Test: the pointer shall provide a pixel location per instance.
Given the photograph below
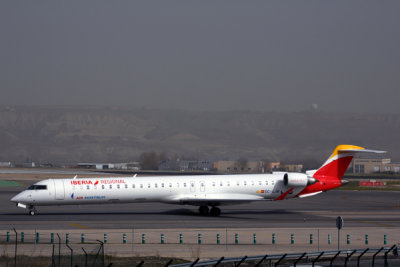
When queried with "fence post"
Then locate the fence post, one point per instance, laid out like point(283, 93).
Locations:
point(311, 239)
point(82, 238)
point(85, 257)
point(218, 240)
point(180, 239)
point(162, 239)
point(72, 254)
point(124, 238)
point(273, 239)
point(254, 239)
point(16, 246)
point(292, 239)
point(236, 239)
point(105, 238)
point(143, 238)
point(199, 239)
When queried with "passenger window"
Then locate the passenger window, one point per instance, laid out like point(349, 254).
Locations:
point(259, 183)
point(155, 185)
point(148, 185)
point(213, 183)
point(162, 184)
point(273, 182)
point(221, 184)
point(245, 183)
point(266, 182)
point(228, 183)
point(252, 183)
point(87, 187)
point(237, 183)
point(133, 185)
point(141, 185)
point(110, 186)
point(102, 187)
point(126, 186)
point(118, 186)
point(170, 184)
point(184, 184)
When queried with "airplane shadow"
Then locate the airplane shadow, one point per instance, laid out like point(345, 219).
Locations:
point(236, 214)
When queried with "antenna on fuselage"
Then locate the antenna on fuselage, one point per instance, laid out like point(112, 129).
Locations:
point(135, 175)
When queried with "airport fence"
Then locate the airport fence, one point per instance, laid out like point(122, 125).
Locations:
point(86, 247)
point(358, 257)
point(324, 238)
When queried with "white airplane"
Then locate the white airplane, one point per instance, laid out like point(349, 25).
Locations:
point(200, 190)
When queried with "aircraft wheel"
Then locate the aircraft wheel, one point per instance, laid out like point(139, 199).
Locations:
point(32, 212)
point(215, 211)
point(203, 210)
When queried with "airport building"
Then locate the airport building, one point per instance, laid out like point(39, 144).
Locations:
point(105, 166)
point(6, 164)
point(185, 165)
point(373, 165)
point(255, 166)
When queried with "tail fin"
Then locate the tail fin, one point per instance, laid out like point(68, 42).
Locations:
point(339, 161)
point(329, 175)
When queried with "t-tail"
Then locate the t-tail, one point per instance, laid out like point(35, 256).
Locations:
point(329, 175)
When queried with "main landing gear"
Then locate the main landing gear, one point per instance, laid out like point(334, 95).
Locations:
point(215, 211)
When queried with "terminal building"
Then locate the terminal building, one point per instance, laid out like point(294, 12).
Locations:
point(255, 166)
point(373, 165)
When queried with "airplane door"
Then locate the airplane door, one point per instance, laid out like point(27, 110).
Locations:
point(202, 186)
point(59, 189)
point(192, 187)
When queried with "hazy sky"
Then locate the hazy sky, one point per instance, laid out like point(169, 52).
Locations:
point(203, 55)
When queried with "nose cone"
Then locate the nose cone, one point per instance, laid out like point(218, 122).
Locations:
point(16, 198)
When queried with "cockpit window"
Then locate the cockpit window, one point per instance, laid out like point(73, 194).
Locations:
point(37, 187)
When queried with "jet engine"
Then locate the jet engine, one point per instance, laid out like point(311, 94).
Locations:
point(297, 179)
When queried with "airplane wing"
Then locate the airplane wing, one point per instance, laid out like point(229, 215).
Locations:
point(212, 199)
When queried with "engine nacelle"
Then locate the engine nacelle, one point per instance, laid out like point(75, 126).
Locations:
point(296, 179)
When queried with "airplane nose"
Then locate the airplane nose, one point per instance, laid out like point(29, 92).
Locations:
point(16, 198)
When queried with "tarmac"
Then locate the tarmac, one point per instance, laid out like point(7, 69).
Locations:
point(372, 213)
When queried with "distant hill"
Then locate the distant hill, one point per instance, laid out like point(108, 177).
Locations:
point(105, 134)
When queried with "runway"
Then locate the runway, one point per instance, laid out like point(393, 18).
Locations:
point(358, 208)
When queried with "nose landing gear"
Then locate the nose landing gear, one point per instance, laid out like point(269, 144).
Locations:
point(32, 210)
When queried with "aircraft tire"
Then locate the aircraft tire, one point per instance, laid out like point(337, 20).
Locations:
point(203, 210)
point(32, 212)
point(215, 211)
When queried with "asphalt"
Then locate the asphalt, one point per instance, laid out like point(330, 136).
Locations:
point(358, 208)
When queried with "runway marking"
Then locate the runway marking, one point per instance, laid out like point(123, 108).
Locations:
point(80, 226)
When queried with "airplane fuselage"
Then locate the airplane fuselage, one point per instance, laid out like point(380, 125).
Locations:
point(211, 190)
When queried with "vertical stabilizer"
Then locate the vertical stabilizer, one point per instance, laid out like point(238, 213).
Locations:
point(330, 174)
